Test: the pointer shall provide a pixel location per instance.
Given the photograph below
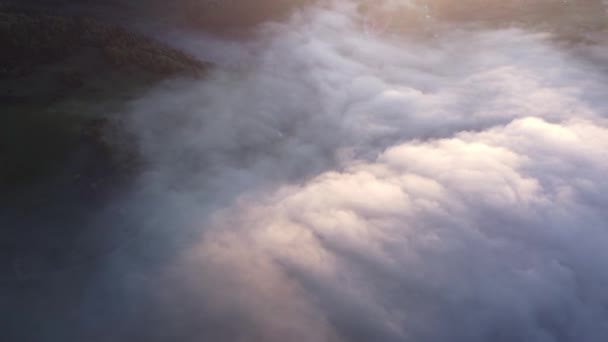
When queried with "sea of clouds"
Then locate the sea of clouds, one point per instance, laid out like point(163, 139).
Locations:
point(328, 183)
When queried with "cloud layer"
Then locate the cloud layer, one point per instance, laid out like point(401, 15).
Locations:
point(328, 183)
point(494, 235)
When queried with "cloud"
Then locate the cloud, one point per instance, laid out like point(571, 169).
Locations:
point(328, 184)
point(344, 186)
point(498, 234)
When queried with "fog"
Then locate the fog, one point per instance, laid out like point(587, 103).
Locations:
point(336, 180)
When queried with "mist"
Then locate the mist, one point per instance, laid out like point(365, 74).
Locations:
point(335, 180)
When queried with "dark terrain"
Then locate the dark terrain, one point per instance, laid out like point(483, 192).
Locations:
point(63, 80)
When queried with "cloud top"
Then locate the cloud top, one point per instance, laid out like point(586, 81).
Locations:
point(328, 184)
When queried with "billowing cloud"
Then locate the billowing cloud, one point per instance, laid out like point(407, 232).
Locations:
point(498, 234)
point(340, 185)
point(328, 183)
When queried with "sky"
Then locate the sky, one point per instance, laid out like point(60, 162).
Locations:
point(332, 182)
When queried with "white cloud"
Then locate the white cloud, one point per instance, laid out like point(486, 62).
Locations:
point(474, 235)
point(352, 187)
